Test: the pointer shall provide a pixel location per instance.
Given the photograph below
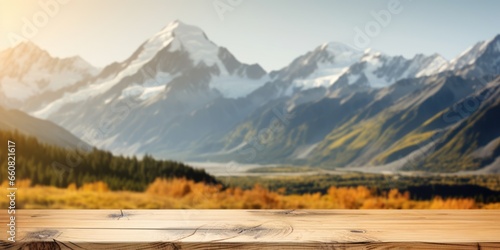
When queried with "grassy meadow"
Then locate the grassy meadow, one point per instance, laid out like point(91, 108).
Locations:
point(187, 194)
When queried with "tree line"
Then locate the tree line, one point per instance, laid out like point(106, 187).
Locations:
point(46, 165)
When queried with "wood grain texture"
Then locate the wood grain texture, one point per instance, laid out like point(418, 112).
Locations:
point(255, 229)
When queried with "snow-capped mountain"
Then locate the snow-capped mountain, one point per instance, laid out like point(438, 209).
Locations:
point(26, 71)
point(181, 96)
point(334, 69)
point(162, 92)
point(377, 70)
point(177, 61)
point(318, 68)
point(202, 52)
point(331, 61)
point(479, 60)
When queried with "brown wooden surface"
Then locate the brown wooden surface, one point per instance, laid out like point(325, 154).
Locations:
point(254, 229)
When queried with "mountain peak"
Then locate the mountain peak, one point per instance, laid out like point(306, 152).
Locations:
point(338, 47)
point(27, 44)
point(180, 36)
point(179, 29)
point(176, 21)
point(340, 54)
point(27, 71)
point(178, 25)
point(471, 55)
point(370, 54)
point(32, 52)
point(495, 43)
point(26, 48)
point(23, 53)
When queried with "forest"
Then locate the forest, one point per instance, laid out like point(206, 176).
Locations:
point(50, 165)
point(53, 177)
point(481, 188)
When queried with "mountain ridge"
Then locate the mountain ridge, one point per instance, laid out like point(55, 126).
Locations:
point(181, 96)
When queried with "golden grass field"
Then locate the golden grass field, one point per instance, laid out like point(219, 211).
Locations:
point(182, 193)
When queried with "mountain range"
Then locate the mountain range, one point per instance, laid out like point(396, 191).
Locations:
point(181, 96)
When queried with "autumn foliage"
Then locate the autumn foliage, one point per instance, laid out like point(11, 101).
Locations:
point(183, 193)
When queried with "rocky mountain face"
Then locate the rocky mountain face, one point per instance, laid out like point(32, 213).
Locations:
point(176, 88)
point(29, 74)
point(181, 96)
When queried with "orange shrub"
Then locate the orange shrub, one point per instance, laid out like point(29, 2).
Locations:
point(183, 193)
point(438, 203)
point(95, 187)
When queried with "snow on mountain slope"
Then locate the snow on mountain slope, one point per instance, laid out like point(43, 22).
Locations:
point(433, 65)
point(469, 56)
point(168, 55)
point(319, 68)
point(150, 88)
point(27, 71)
point(479, 60)
point(378, 70)
point(191, 39)
point(335, 61)
point(177, 87)
point(343, 69)
point(235, 86)
point(178, 36)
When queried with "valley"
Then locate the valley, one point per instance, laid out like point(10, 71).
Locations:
point(332, 107)
point(183, 108)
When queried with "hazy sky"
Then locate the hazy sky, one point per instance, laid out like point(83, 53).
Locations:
point(269, 32)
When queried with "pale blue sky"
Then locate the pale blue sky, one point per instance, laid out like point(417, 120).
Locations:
point(269, 32)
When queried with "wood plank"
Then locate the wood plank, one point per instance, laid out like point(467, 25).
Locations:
point(255, 229)
point(250, 246)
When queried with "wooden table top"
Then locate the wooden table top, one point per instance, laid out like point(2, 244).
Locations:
point(254, 229)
